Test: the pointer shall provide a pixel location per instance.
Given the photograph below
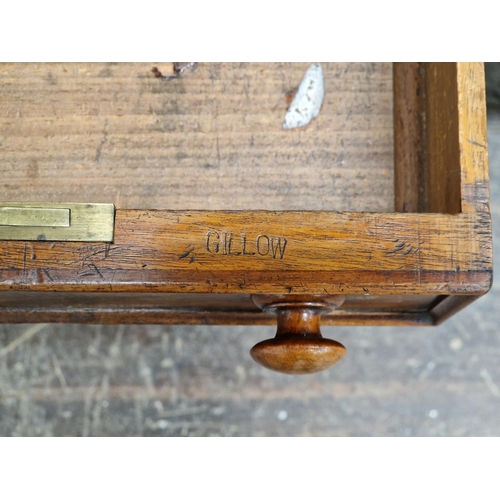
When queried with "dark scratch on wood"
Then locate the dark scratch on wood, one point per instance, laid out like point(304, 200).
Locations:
point(91, 271)
point(48, 275)
point(406, 252)
point(185, 254)
point(472, 141)
point(24, 263)
point(105, 250)
point(397, 248)
point(84, 257)
point(96, 270)
point(85, 273)
point(101, 145)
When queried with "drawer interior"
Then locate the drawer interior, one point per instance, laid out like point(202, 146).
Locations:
point(211, 139)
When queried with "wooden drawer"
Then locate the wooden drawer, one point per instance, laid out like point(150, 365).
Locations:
point(220, 213)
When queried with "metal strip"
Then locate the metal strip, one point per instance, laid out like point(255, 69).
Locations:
point(57, 221)
point(34, 216)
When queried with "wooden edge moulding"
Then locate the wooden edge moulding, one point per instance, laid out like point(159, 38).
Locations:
point(416, 266)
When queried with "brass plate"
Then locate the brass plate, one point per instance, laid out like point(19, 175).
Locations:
point(38, 217)
point(57, 221)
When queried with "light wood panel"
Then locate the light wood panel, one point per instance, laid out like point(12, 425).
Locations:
point(473, 137)
point(212, 139)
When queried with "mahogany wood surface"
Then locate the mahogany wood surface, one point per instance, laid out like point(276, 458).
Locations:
point(439, 141)
point(409, 138)
point(298, 347)
point(208, 308)
point(264, 252)
point(198, 380)
point(442, 152)
point(473, 140)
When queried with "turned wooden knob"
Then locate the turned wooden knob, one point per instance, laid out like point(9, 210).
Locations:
point(298, 347)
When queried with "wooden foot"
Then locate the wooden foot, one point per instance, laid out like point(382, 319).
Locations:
point(298, 347)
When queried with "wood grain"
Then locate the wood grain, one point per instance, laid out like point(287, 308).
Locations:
point(164, 380)
point(298, 347)
point(198, 308)
point(442, 156)
point(473, 137)
point(409, 138)
point(264, 252)
point(440, 138)
point(211, 139)
point(115, 133)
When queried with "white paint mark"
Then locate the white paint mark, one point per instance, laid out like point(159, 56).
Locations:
point(282, 415)
point(241, 373)
point(414, 363)
point(308, 100)
point(147, 376)
point(167, 363)
point(178, 345)
point(162, 424)
point(433, 414)
point(58, 371)
point(30, 332)
point(485, 374)
point(139, 418)
point(219, 410)
point(89, 396)
point(114, 350)
point(456, 344)
point(464, 333)
point(104, 403)
point(427, 370)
